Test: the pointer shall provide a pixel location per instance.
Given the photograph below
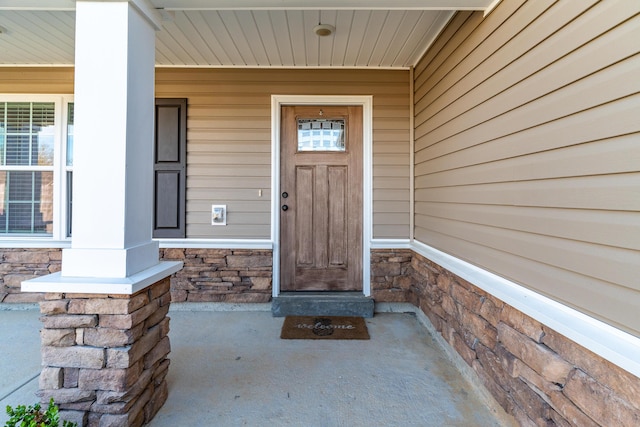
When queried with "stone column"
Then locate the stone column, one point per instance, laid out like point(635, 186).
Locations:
point(104, 342)
point(104, 356)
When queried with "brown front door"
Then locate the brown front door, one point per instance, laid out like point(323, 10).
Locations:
point(321, 198)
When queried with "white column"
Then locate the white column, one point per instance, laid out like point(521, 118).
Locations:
point(113, 152)
point(112, 251)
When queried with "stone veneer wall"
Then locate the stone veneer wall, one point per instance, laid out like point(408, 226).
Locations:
point(221, 275)
point(391, 275)
point(17, 265)
point(104, 357)
point(537, 375)
point(209, 275)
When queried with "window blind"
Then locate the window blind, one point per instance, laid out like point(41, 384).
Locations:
point(27, 136)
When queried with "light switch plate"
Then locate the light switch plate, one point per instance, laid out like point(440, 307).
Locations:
point(218, 214)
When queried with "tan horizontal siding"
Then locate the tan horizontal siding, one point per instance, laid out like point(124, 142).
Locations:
point(505, 49)
point(616, 229)
point(583, 127)
point(247, 231)
point(567, 76)
point(606, 192)
point(597, 261)
point(616, 82)
point(393, 207)
point(36, 80)
point(527, 160)
point(229, 136)
point(229, 141)
point(617, 305)
point(391, 182)
point(595, 158)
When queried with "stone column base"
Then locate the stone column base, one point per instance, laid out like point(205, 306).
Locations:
point(104, 357)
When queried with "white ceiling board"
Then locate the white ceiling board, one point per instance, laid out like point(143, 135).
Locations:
point(386, 37)
point(404, 29)
point(214, 49)
point(420, 40)
point(341, 38)
point(311, 18)
point(371, 38)
point(295, 23)
point(195, 37)
point(327, 44)
point(282, 37)
point(37, 37)
point(325, 4)
point(256, 41)
point(356, 32)
point(169, 45)
point(67, 5)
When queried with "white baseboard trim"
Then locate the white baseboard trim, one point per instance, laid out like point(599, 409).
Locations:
point(390, 244)
point(610, 343)
point(34, 243)
point(215, 243)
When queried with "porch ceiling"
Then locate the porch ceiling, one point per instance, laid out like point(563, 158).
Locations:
point(246, 33)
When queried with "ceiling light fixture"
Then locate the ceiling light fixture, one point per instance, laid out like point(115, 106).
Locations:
point(324, 30)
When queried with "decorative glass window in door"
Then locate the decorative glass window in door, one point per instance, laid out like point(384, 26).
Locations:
point(321, 135)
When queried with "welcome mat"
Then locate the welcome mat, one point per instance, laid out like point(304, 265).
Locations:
point(324, 328)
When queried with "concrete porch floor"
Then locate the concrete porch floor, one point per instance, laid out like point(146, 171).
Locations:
point(230, 368)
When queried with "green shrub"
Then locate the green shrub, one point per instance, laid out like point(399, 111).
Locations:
point(32, 416)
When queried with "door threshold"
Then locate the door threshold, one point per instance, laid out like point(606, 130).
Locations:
point(351, 304)
point(322, 294)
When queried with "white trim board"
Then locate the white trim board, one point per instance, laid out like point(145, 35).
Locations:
point(366, 102)
point(35, 243)
point(191, 243)
point(99, 285)
point(608, 342)
point(215, 243)
point(391, 244)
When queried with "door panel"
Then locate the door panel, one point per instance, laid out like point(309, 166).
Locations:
point(321, 230)
point(304, 215)
point(337, 181)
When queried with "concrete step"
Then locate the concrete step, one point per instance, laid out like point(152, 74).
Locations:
point(353, 304)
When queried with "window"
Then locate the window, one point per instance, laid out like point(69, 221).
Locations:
point(321, 135)
point(31, 154)
point(69, 166)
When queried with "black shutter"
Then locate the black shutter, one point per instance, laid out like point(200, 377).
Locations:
point(170, 166)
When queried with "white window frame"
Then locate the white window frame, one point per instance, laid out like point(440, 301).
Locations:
point(59, 235)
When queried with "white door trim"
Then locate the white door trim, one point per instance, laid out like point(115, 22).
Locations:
point(366, 102)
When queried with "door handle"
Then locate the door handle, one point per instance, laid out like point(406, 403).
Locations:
point(285, 207)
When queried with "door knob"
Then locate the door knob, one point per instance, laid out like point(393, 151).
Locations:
point(285, 207)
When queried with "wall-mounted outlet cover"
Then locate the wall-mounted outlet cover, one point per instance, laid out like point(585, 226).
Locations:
point(218, 214)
